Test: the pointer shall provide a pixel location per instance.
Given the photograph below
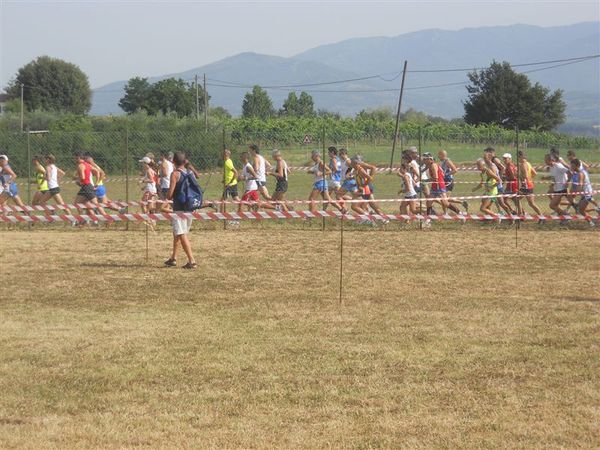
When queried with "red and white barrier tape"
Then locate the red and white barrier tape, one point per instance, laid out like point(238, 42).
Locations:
point(265, 215)
point(305, 169)
point(122, 204)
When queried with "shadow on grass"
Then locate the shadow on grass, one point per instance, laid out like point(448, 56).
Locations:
point(578, 298)
point(113, 265)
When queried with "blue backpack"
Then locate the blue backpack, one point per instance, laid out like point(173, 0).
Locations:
point(190, 193)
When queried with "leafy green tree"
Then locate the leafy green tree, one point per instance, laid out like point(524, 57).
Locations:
point(257, 104)
point(306, 105)
point(52, 84)
point(298, 107)
point(137, 94)
point(378, 114)
point(170, 95)
point(218, 112)
point(499, 95)
point(290, 105)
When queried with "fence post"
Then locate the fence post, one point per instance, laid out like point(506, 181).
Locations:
point(324, 177)
point(127, 173)
point(28, 166)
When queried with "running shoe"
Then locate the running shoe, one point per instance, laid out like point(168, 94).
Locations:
point(171, 262)
point(465, 205)
point(190, 265)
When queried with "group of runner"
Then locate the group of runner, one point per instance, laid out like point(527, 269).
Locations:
point(341, 181)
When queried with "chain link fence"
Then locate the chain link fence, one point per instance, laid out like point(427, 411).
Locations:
point(118, 153)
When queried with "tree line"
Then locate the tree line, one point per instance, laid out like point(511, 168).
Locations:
point(497, 95)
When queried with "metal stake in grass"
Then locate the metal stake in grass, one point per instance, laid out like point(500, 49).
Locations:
point(341, 257)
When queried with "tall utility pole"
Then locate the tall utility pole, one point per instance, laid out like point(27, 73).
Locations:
point(398, 114)
point(197, 100)
point(22, 106)
point(205, 105)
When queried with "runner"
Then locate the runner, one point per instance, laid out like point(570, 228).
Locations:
point(581, 185)
point(408, 187)
point(511, 177)
point(98, 177)
point(438, 185)
point(281, 175)
point(86, 194)
point(449, 170)
point(489, 180)
point(250, 177)
point(348, 187)
point(149, 185)
point(181, 226)
point(560, 176)
point(53, 175)
point(261, 167)
point(371, 170)
point(40, 181)
point(489, 155)
point(9, 190)
point(230, 180)
point(166, 168)
point(320, 172)
point(527, 185)
point(335, 166)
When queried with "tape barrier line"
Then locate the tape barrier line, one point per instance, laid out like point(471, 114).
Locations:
point(121, 204)
point(308, 168)
point(280, 215)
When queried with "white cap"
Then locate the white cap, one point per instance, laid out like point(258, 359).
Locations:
point(4, 157)
point(146, 160)
point(507, 155)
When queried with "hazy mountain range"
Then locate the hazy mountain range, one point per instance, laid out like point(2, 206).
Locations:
point(424, 50)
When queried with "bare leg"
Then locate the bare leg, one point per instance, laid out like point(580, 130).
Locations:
point(187, 247)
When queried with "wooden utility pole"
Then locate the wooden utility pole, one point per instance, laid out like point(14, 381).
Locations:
point(197, 100)
point(205, 105)
point(398, 114)
point(22, 106)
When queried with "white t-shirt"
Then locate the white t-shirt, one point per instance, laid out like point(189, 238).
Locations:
point(165, 179)
point(52, 176)
point(561, 176)
point(261, 171)
point(250, 181)
point(416, 170)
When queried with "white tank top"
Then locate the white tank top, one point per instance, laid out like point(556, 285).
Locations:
point(409, 188)
point(250, 182)
point(52, 176)
point(285, 170)
point(165, 179)
point(261, 172)
point(316, 170)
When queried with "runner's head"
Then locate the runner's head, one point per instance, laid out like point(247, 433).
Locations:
point(316, 155)
point(88, 158)
point(427, 159)
point(179, 159)
point(413, 152)
point(354, 162)
point(571, 155)
point(403, 168)
point(481, 164)
point(343, 152)
point(442, 154)
point(575, 165)
point(276, 155)
point(244, 157)
point(332, 151)
point(3, 160)
point(507, 157)
point(50, 159)
point(550, 159)
point(78, 157)
point(521, 155)
point(489, 153)
point(145, 161)
point(254, 150)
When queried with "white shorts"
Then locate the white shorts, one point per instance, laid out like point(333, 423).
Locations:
point(334, 185)
point(181, 226)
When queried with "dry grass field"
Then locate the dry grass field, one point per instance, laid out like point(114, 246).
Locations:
point(446, 338)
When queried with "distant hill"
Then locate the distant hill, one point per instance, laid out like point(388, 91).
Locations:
point(427, 49)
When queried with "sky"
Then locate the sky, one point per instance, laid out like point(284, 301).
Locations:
point(113, 41)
